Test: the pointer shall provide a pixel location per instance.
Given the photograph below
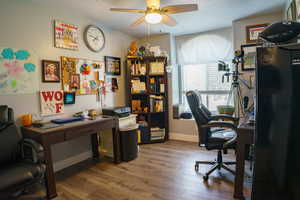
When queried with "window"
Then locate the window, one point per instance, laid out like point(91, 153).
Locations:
point(208, 81)
point(197, 56)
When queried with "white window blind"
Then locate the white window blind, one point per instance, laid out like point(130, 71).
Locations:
point(198, 56)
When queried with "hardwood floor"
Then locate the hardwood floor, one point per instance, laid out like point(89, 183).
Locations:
point(161, 172)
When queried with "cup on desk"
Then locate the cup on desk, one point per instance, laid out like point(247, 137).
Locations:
point(26, 119)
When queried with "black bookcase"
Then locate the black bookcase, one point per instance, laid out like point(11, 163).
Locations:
point(148, 97)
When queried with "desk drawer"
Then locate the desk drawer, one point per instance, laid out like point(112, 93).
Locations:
point(54, 138)
point(81, 131)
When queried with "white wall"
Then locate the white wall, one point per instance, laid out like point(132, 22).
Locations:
point(28, 24)
point(239, 35)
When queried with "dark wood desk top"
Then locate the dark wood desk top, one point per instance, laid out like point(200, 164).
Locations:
point(246, 126)
point(72, 125)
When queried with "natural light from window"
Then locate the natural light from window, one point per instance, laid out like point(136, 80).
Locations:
point(208, 81)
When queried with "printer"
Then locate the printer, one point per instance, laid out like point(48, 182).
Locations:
point(116, 111)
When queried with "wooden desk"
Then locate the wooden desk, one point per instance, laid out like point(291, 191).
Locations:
point(245, 136)
point(69, 131)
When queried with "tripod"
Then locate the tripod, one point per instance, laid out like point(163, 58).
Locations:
point(235, 89)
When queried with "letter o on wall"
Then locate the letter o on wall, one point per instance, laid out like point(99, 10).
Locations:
point(58, 96)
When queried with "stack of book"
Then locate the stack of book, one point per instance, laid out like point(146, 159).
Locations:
point(156, 103)
point(138, 86)
point(138, 69)
point(157, 133)
point(156, 85)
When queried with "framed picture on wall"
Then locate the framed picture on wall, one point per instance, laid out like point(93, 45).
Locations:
point(253, 31)
point(75, 81)
point(50, 71)
point(249, 58)
point(112, 65)
point(66, 35)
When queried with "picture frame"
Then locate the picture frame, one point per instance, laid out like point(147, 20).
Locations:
point(112, 65)
point(66, 35)
point(50, 71)
point(75, 81)
point(69, 98)
point(249, 59)
point(253, 31)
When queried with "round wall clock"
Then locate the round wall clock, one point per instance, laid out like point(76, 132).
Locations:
point(94, 38)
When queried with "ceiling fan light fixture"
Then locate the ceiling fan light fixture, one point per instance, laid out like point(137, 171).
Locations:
point(153, 18)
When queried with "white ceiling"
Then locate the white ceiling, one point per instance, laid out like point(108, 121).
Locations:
point(212, 14)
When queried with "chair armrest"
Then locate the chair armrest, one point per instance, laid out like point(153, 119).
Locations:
point(230, 142)
point(220, 124)
point(32, 151)
point(224, 117)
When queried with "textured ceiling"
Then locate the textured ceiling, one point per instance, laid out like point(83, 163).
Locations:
point(212, 14)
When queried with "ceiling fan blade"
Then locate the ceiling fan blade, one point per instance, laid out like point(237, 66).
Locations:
point(138, 22)
point(168, 20)
point(180, 8)
point(127, 10)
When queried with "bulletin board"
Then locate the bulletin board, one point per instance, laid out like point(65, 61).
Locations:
point(84, 76)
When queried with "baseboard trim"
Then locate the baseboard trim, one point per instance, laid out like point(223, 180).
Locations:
point(71, 161)
point(183, 137)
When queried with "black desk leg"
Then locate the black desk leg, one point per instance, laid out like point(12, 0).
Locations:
point(116, 145)
point(95, 146)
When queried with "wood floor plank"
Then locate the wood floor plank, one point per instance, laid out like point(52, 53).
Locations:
point(161, 172)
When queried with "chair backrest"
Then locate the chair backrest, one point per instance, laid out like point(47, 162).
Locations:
point(10, 138)
point(202, 106)
point(200, 118)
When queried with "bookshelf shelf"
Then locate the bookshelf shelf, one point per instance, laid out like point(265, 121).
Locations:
point(156, 75)
point(150, 106)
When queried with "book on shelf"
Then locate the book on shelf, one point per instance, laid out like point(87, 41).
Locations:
point(156, 103)
point(138, 86)
point(157, 68)
point(157, 133)
point(138, 69)
point(156, 85)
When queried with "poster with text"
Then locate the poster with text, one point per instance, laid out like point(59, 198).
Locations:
point(52, 102)
point(66, 35)
point(18, 71)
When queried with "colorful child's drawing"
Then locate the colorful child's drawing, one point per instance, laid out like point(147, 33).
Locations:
point(17, 72)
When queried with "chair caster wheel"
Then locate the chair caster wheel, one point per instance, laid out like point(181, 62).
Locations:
point(196, 168)
point(205, 178)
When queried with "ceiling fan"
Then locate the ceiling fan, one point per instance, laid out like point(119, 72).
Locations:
point(154, 14)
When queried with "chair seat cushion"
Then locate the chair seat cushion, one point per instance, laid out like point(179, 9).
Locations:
point(19, 173)
point(219, 137)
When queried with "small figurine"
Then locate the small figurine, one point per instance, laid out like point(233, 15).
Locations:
point(141, 51)
point(147, 50)
point(132, 50)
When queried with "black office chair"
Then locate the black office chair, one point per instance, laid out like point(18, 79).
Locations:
point(215, 135)
point(211, 116)
point(20, 159)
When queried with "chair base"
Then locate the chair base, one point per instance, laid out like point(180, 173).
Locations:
point(218, 164)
